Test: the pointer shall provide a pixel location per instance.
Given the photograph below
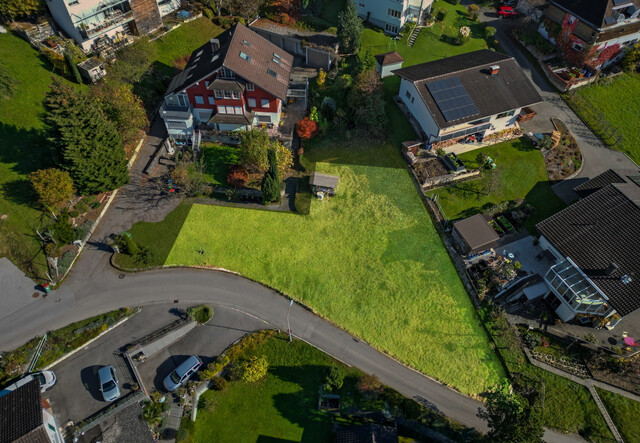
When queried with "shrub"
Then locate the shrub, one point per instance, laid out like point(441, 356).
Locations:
point(183, 433)
point(489, 32)
point(208, 403)
point(473, 11)
point(321, 78)
point(218, 384)
point(441, 15)
point(74, 213)
point(62, 231)
point(335, 378)
point(237, 176)
point(369, 386)
point(152, 412)
point(207, 13)
point(591, 338)
point(234, 372)
point(254, 369)
point(51, 250)
point(200, 314)
point(306, 128)
point(531, 339)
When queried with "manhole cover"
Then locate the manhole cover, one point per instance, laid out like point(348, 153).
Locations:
point(36, 295)
point(121, 276)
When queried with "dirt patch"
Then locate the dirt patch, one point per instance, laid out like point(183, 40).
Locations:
point(624, 373)
point(565, 159)
point(429, 169)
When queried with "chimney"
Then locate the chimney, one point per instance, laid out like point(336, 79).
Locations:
point(495, 69)
point(215, 45)
point(611, 269)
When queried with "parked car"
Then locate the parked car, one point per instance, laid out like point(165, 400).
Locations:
point(108, 383)
point(182, 373)
point(46, 378)
point(506, 11)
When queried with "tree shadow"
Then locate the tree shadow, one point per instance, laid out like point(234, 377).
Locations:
point(25, 149)
point(153, 85)
point(20, 192)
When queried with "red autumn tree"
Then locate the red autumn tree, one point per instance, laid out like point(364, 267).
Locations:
point(306, 128)
point(237, 176)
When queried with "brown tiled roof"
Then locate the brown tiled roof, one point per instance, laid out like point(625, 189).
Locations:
point(21, 414)
point(232, 119)
point(599, 230)
point(476, 232)
point(262, 66)
point(388, 58)
point(608, 177)
point(492, 94)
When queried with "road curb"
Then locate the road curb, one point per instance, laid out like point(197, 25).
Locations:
point(69, 354)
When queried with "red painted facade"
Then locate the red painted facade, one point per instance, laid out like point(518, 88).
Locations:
point(258, 94)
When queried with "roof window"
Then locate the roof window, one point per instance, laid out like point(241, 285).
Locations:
point(272, 73)
point(245, 56)
point(244, 42)
point(276, 60)
point(276, 55)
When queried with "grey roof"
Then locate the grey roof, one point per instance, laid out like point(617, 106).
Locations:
point(324, 180)
point(177, 112)
point(262, 68)
point(598, 230)
point(476, 232)
point(90, 63)
point(231, 85)
point(233, 119)
point(21, 414)
point(608, 177)
point(492, 94)
point(594, 12)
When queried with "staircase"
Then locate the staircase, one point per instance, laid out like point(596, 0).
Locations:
point(605, 413)
point(196, 137)
point(414, 35)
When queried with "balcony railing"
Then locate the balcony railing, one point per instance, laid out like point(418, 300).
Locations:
point(111, 22)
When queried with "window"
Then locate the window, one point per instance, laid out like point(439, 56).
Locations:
point(206, 84)
point(222, 109)
point(246, 43)
point(390, 28)
point(225, 73)
point(182, 100)
point(227, 94)
point(211, 100)
point(219, 93)
point(506, 114)
point(199, 100)
point(393, 13)
point(412, 99)
point(264, 118)
point(577, 46)
point(276, 55)
point(276, 60)
point(408, 94)
point(245, 56)
point(238, 110)
point(250, 86)
point(264, 103)
point(251, 102)
point(272, 73)
point(230, 109)
point(235, 95)
point(176, 125)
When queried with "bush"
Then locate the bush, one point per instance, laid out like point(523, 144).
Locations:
point(208, 403)
point(200, 314)
point(207, 13)
point(152, 412)
point(234, 372)
point(441, 15)
point(254, 369)
point(369, 386)
point(335, 378)
point(183, 433)
point(237, 176)
point(62, 231)
point(306, 128)
point(473, 12)
point(74, 213)
point(489, 32)
point(218, 384)
point(531, 339)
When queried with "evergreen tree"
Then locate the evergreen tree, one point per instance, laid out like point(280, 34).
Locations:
point(73, 67)
point(85, 143)
point(349, 29)
point(271, 180)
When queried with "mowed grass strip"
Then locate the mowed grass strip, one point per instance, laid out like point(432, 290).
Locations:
point(369, 259)
point(618, 102)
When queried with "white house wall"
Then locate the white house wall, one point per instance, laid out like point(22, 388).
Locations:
point(417, 108)
point(386, 70)
point(376, 11)
point(60, 14)
point(625, 41)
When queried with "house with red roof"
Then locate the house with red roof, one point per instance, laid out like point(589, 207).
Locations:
point(236, 81)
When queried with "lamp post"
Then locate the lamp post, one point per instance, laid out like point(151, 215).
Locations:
point(288, 325)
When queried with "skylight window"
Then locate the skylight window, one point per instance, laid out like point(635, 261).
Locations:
point(245, 56)
point(246, 43)
point(276, 60)
point(276, 55)
point(272, 73)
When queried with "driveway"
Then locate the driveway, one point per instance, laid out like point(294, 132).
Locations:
point(75, 395)
point(597, 157)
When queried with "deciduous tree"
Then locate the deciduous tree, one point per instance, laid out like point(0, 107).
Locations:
point(53, 186)
point(237, 176)
point(254, 145)
point(349, 29)
point(13, 9)
point(84, 141)
point(122, 107)
point(306, 128)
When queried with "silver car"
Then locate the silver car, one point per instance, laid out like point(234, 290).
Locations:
point(182, 373)
point(108, 383)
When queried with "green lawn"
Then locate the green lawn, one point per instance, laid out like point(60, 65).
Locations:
point(620, 108)
point(624, 412)
point(217, 159)
point(369, 259)
point(429, 45)
point(185, 39)
point(23, 149)
point(521, 174)
point(284, 405)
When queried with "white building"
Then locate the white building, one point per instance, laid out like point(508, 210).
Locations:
point(87, 21)
point(391, 15)
point(477, 93)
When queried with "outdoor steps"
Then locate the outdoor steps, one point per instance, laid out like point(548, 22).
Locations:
point(605, 413)
point(517, 286)
point(414, 35)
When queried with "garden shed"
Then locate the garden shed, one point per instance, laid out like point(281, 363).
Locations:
point(92, 69)
point(323, 183)
point(474, 234)
point(387, 62)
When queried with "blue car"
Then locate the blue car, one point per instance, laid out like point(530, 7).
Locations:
point(108, 383)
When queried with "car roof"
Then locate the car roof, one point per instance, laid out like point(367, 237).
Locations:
point(105, 372)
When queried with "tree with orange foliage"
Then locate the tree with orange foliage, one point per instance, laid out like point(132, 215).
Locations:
point(237, 176)
point(306, 128)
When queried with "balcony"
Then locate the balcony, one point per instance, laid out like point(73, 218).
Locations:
point(116, 19)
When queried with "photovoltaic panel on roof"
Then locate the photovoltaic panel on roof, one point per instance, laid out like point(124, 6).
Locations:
point(452, 99)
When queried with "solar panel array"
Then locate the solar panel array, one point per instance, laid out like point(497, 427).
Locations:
point(452, 99)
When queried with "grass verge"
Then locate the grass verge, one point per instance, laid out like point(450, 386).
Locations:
point(624, 412)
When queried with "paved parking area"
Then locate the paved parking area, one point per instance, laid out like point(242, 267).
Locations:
point(75, 395)
point(206, 341)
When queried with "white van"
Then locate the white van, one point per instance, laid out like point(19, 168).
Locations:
point(182, 373)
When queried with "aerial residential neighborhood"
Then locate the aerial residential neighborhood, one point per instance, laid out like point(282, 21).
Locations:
point(319, 220)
